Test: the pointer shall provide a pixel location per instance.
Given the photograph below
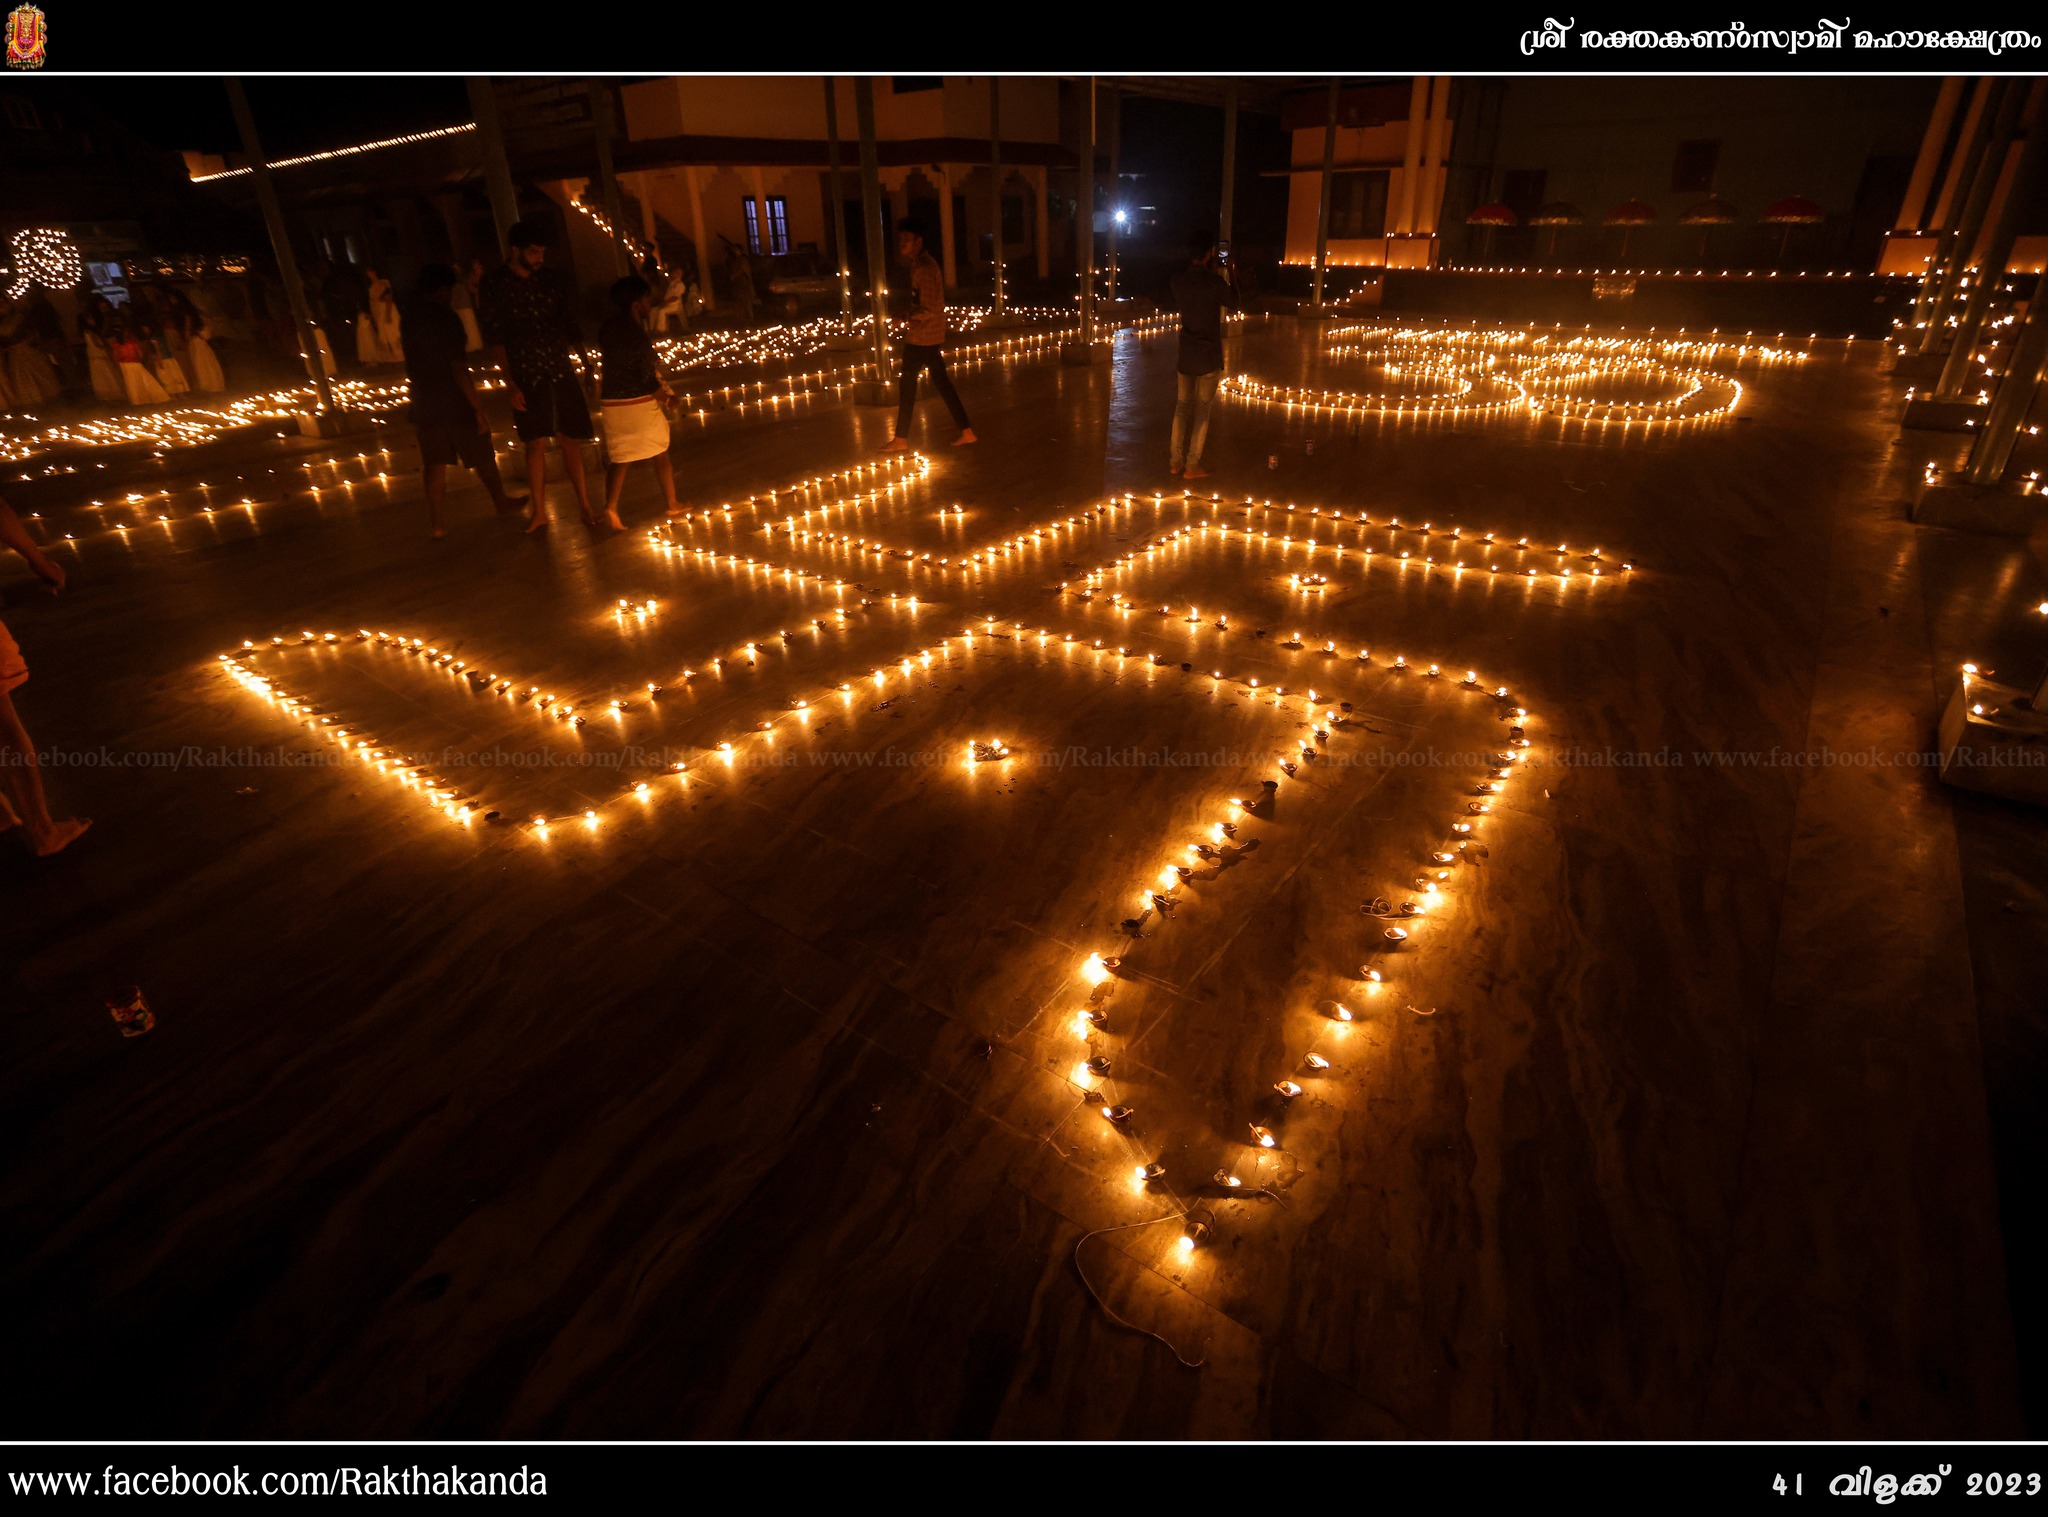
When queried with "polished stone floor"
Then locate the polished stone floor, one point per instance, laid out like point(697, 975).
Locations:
point(1705, 1105)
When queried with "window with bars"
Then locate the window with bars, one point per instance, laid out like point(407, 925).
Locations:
point(777, 240)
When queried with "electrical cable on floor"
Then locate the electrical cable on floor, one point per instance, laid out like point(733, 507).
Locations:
point(1193, 1364)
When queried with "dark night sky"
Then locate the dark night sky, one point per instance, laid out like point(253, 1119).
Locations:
point(1177, 148)
point(294, 115)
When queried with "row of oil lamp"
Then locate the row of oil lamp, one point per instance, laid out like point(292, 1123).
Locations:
point(1584, 340)
point(1100, 971)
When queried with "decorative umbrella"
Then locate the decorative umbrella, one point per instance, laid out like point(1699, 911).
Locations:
point(1792, 211)
point(1629, 215)
point(1554, 214)
point(1711, 212)
point(1491, 215)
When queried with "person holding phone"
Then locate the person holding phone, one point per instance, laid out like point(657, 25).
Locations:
point(1201, 291)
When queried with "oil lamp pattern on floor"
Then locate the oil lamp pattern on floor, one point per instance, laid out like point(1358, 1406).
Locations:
point(1312, 550)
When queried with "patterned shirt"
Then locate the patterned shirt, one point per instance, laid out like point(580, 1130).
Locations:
point(926, 327)
point(532, 317)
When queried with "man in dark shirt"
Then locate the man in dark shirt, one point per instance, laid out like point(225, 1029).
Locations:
point(446, 409)
point(529, 328)
point(1200, 291)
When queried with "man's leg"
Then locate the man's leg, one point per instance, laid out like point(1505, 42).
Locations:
point(493, 481)
point(21, 780)
point(914, 361)
point(537, 481)
point(943, 383)
point(1198, 426)
point(434, 483)
point(572, 465)
point(1183, 402)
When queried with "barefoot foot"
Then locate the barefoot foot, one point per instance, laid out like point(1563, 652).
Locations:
point(966, 439)
point(540, 522)
point(899, 445)
point(60, 836)
point(611, 519)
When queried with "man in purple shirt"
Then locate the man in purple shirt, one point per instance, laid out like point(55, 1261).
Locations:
point(923, 338)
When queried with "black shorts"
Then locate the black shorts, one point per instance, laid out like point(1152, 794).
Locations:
point(554, 408)
point(447, 442)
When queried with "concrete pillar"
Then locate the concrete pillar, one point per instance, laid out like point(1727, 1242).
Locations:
point(1323, 199)
point(1411, 154)
point(1438, 151)
point(761, 209)
point(995, 179)
point(642, 186)
point(835, 213)
point(607, 182)
point(490, 141)
point(2009, 177)
point(1922, 183)
point(1976, 122)
point(1229, 160)
point(2014, 396)
point(1042, 240)
point(697, 233)
point(1990, 163)
point(2024, 192)
point(949, 262)
point(871, 216)
point(1084, 223)
point(1116, 113)
point(280, 243)
point(1084, 350)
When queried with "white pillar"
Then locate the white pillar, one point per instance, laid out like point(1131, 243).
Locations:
point(1411, 155)
point(1922, 182)
point(1960, 162)
point(1430, 202)
point(947, 261)
point(697, 231)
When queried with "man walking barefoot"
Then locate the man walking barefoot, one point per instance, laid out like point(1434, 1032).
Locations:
point(447, 412)
point(527, 314)
point(924, 338)
point(21, 777)
point(1201, 291)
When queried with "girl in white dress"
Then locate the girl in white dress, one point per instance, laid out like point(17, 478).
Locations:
point(201, 365)
point(375, 333)
point(106, 379)
point(384, 307)
point(169, 372)
point(30, 375)
point(137, 382)
point(93, 325)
